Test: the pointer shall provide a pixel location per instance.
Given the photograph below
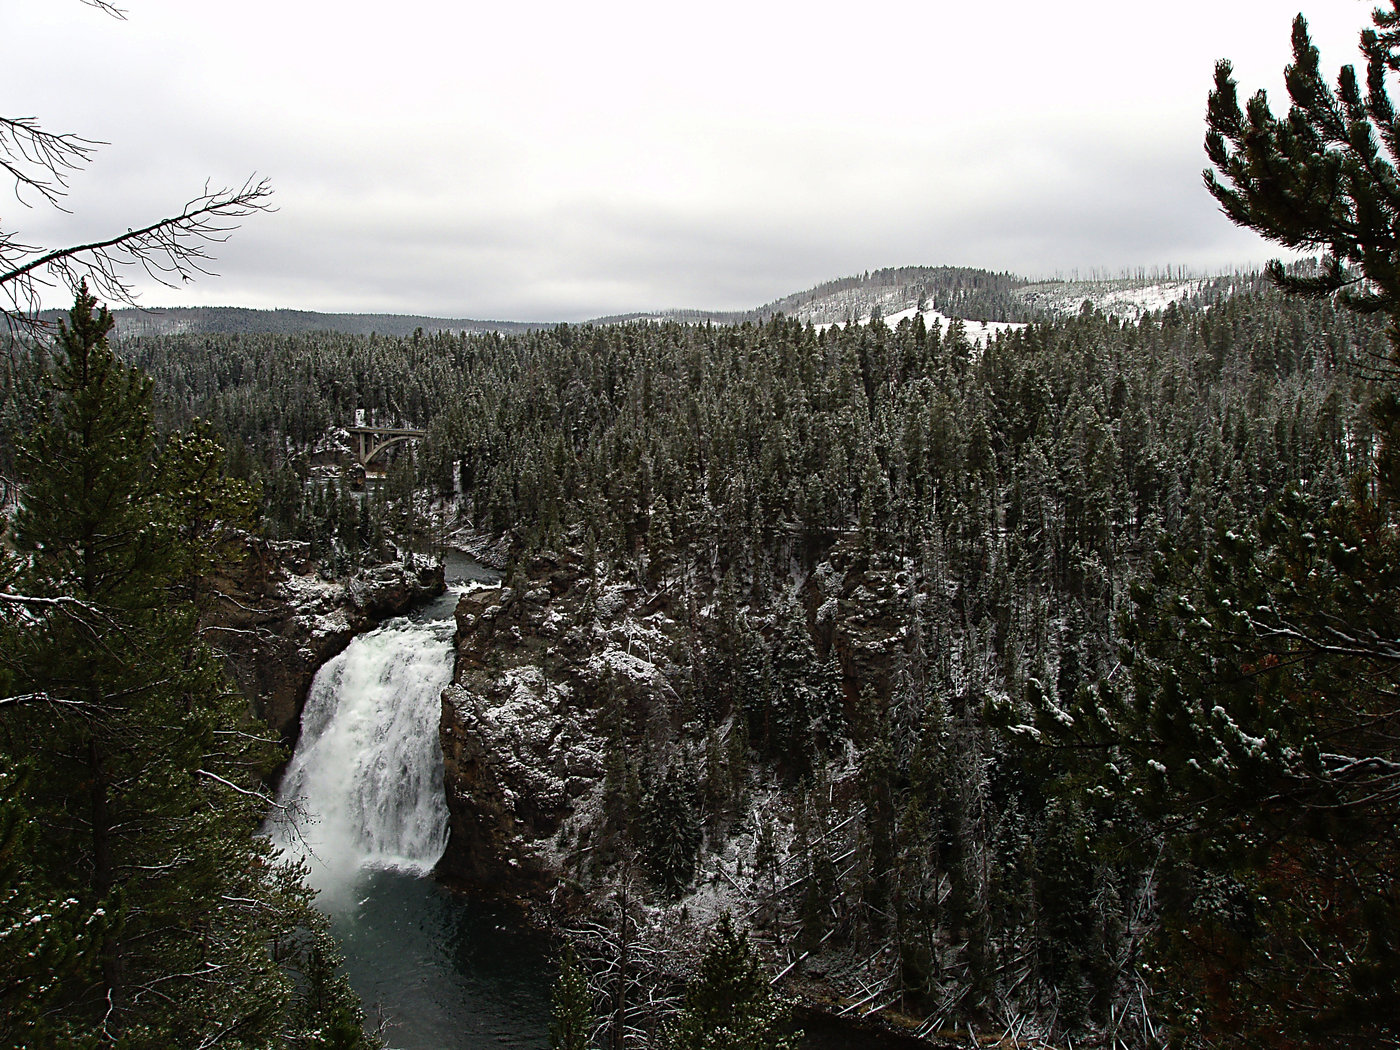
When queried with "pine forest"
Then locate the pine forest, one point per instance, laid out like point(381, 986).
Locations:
point(1025, 679)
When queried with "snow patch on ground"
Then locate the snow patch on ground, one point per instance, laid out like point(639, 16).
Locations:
point(334, 442)
point(311, 592)
point(319, 605)
point(978, 332)
point(526, 727)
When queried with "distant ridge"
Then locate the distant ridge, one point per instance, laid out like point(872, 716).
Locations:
point(970, 294)
point(957, 291)
point(954, 291)
point(237, 319)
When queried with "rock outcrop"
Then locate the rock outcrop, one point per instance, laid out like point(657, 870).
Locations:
point(552, 671)
point(522, 725)
point(277, 622)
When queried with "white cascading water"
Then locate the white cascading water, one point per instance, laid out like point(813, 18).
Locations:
point(366, 779)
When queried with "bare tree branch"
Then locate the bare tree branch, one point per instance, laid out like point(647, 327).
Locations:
point(24, 699)
point(107, 8)
point(92, 619)
point(40, 160)
point(63, 601)
point(172, 250)
point(267, 800)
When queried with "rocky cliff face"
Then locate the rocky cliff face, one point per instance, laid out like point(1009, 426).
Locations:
point(522, 733)
point(586, 713)
point(554, 671)
point(277, 622)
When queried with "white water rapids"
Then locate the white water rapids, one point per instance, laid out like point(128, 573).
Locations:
point(365, 784)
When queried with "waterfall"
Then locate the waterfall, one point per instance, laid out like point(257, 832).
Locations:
point(365, 784)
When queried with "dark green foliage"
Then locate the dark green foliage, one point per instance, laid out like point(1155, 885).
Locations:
point(42, 936)
point(1256, 741)
point(730, 1005)
point(139, 772)
point(670, 832)
point(209, 510)
point(571, 1016)
point(1323, 177)
point(1066, 878)
point(325, 1013)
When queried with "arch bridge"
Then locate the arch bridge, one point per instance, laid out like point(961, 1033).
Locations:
point(370, 441)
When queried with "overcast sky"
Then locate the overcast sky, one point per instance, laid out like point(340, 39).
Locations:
point(559, 161)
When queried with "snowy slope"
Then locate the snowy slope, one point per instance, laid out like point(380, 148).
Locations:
point(1126, 299)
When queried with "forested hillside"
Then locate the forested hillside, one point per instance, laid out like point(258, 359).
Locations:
point(897, 562)
point(968, 293)
point(229, 320)
point(956, 291)
point(760, 446)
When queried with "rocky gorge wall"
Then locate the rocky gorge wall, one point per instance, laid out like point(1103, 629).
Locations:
point(521, 743)
point(564, 665)
point(577, 699)
point(276, 621)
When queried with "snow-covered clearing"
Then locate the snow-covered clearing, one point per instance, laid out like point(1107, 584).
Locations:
point(979, 332)
point(1128, 300)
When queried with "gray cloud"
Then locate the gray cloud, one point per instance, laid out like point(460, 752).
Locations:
point(562, 162)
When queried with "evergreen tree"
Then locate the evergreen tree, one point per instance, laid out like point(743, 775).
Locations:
point(670, 831)
point(730, 1005)
point(1322, 177)
point(140, 777)
point(571, 1007)
point(1256, 746)
point(42, 935)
